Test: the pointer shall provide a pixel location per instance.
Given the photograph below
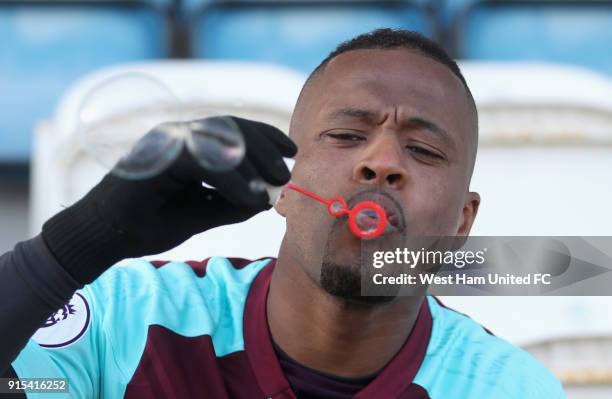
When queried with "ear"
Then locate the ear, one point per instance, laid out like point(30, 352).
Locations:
point(470, 209)
point(281, 204)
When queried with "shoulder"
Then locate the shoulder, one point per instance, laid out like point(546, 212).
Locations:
point(111, 321)
point(187, 298)
point(478, 364)
point(139, 279)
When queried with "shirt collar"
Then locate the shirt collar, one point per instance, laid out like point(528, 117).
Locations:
point(392, 381)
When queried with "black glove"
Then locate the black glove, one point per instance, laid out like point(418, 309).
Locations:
point(122, 218)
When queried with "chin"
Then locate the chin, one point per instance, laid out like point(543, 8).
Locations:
point(343, 281)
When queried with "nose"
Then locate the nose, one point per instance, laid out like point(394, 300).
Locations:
point(382, 163)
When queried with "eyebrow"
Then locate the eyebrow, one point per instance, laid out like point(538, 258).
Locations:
point(428, 125)
point(362, 114)
point(371, 117)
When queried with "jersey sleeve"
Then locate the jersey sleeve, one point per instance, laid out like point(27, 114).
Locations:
point(71, 344)
point(76, 341)
point(98, 339)
point(68, 345)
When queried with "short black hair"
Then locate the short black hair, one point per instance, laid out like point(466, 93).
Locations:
point(387, 39)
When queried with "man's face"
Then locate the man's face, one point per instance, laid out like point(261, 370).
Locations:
point(386, 125)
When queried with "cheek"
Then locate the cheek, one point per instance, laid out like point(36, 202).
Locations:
point(307, 219)
point(307, 228)
point(437, 206)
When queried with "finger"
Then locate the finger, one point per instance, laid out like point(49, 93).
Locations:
point(200, 208)
point(237, 186)
point(267, 159)
point(185, 169)
point(234, 185)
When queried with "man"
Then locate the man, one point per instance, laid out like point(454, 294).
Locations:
point(386, 117)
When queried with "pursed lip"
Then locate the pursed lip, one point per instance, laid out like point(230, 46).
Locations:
point(386, 202)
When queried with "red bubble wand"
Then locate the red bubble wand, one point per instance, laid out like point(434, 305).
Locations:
point(337, 207)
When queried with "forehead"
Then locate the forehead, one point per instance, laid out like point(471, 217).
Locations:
point(386, 79)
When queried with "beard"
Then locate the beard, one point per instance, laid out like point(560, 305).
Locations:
point(347, 270)
point(349, 276)
point(346, 266)
point(345, 282)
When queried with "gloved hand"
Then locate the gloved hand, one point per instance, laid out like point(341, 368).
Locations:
point(122, 218)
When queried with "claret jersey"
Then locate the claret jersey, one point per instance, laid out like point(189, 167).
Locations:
point(199, 330)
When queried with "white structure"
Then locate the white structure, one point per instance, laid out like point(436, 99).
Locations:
point(63, 171)
point(543, 168)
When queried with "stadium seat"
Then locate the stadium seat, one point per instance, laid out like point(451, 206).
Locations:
point(48, 44)
point(574, 32)
point(298, 34)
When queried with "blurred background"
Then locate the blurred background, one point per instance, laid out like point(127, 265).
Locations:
point(540, 71)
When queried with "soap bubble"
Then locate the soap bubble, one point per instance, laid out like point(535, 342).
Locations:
point(118, 112)
point(216, 143)
point(135, 126)
point(152, 153)
point(367, 220)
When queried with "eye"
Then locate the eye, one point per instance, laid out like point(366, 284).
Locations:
point(346, 136)
point(423, 151)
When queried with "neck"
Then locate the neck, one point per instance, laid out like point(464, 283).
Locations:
point(330, 334)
